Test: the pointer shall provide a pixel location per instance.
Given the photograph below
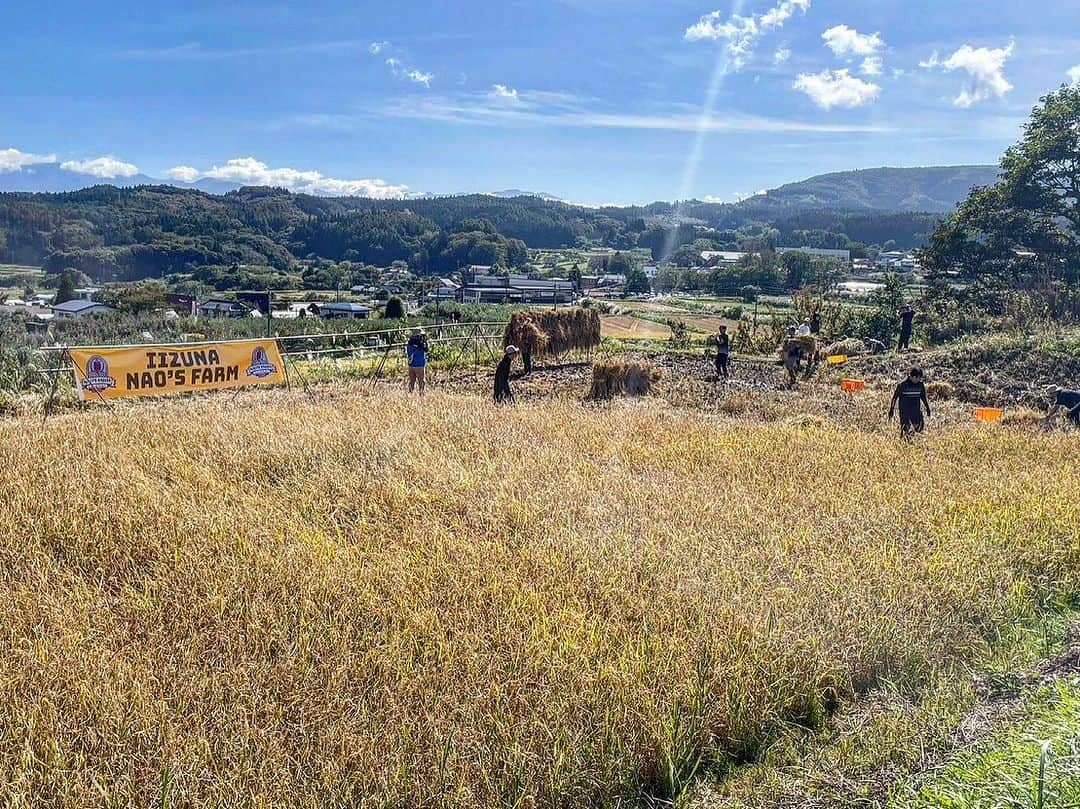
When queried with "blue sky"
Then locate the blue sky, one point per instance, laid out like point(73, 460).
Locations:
point(591, 100)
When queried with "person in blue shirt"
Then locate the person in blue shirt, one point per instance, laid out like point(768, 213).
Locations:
point(417, 353)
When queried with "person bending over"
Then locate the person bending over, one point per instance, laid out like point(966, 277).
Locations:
point(1067, 400)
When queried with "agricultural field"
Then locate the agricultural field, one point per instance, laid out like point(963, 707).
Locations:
point(649, 320)
point(15, 278)
point(358, 597)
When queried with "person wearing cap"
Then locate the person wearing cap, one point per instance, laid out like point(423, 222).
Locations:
point(416, 351)
point(502, 376)
point(911, 396)
point(1067, 400)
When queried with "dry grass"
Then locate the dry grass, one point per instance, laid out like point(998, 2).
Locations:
point(391, 602)
point(618, 377)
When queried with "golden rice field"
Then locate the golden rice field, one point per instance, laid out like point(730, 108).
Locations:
point(373, 601)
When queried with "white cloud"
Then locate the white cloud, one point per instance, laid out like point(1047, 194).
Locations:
point(1074, 74)
point(249, 171)
point(105, 167)
point(420, 77)
point(14, 160)
point(185, 174)
point(847, 43)
point(740, 34)
point(375, 48)
point(836, 88)
point(985, 68)
point(503, 93)
point(871, 66)
point(782, 55)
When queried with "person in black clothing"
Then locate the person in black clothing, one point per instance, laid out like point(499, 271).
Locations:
point(793, 361)
point(502, 376)
point(815, 322)
point(1067, 400)
point(907, 316)
point(723, 352)
point(911, 395)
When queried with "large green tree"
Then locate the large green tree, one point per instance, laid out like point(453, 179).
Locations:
point(1026, 227)
point(65, 290)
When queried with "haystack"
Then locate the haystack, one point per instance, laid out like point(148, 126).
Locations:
point(553, 331)
point(611, 378)
point(848, 347)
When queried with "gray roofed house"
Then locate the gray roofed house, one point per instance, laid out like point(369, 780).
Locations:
point(79, 308)
point(517, 289)
point(344, 309)
point(221, 307)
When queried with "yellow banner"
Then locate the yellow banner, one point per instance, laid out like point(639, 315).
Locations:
point(116, 373)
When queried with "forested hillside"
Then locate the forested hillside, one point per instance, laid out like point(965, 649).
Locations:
point(936, 188)
point(112, 233)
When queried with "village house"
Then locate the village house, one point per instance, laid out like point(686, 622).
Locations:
point(343, 310)
point(221, 307)
point(74, 309)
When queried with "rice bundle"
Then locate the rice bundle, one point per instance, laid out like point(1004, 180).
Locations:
point(940, 391)
point(553, 331)
point(849, 346)
point(611, 378)
point(1024, 417)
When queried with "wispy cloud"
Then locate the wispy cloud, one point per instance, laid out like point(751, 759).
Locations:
point(106, 167)
point(535, 108)
point(741, 34)
point(249, 171)
point(197, 52)
point(14, 160)
point(985, 68)
point(781, 56)
point(1074, 74)
point(399, 66)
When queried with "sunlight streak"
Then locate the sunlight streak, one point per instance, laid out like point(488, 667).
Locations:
point(697, 151)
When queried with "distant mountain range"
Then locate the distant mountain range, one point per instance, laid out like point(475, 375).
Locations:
point(51, 178)
point(934, 189)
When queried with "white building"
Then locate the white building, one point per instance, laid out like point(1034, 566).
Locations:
point(76, 309)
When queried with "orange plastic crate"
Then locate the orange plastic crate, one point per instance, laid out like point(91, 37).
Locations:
point(988, 413)
point(852, 385)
